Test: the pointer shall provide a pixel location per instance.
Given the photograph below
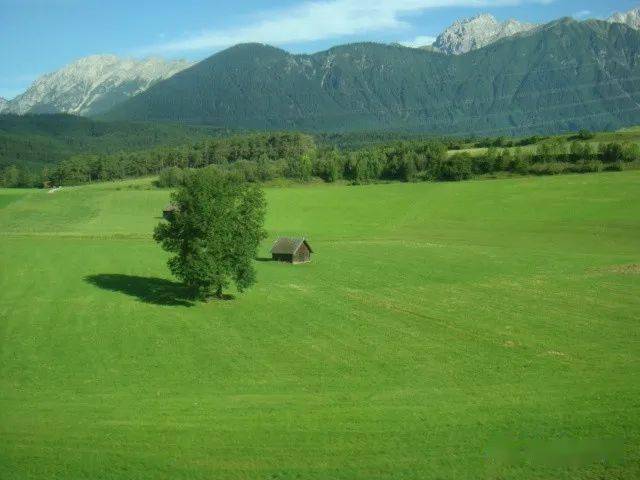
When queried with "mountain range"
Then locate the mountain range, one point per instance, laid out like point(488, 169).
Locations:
point(562, 76)
point(481, 75)
point(482, 30)
point(91, 85)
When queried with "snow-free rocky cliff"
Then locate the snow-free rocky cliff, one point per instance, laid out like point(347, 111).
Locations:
point(630, 18)
point(477, 32)
point(92, 85)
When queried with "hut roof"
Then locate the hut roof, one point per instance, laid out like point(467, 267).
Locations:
point(172, 207)
point(289, 246)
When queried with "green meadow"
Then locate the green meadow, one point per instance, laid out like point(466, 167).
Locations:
point(624, 136)
point(471, 330)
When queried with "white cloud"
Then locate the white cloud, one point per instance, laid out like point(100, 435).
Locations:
point(318, 20)
point(419, 41)
point(582, 14)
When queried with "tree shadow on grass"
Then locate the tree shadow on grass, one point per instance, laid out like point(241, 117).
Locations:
point(226, 297)
point(157, 291)
point(264, 259)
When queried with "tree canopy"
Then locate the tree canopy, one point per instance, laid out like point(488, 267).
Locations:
point(214, 233)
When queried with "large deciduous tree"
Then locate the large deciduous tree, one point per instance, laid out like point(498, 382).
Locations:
point(214, 232)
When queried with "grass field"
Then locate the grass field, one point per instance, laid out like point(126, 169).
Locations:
point(469, 330)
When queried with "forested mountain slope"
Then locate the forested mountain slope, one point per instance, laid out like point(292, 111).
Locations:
point(35, 140)
point(563, 76)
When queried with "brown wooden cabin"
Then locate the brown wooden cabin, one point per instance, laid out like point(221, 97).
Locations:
point(169, 210)
point(292, 250)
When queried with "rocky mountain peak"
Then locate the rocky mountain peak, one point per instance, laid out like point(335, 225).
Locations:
point(630, 18)
point(93, 84)
point(477, 32)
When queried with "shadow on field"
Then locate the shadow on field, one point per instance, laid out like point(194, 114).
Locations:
point(158, 291)
point(264, 259)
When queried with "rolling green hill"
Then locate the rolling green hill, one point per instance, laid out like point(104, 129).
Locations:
point(563, 76)
point(479, 330)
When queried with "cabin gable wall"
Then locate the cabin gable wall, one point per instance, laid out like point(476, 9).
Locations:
point(302, 254)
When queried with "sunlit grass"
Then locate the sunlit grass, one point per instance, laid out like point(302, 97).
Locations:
point(439, 329)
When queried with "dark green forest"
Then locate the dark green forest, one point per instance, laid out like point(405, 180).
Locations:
point(33, 141)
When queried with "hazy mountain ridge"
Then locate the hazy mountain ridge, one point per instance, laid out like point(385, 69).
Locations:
point(477, 32)
point(561, 76)
point(92, 85)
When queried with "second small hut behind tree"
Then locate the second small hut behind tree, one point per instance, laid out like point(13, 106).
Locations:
point(292, 250)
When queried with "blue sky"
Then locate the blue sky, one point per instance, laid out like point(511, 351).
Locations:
point(39, 36)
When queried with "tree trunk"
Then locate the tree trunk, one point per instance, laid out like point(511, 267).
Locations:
point(219, 291)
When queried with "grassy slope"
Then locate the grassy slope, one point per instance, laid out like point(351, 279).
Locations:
point(435, 322)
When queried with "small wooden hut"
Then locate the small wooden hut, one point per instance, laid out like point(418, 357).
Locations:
point(292, 250)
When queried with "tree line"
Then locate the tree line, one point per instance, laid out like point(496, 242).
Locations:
point(426, 161)
point(87, 168)
point(261, 157)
